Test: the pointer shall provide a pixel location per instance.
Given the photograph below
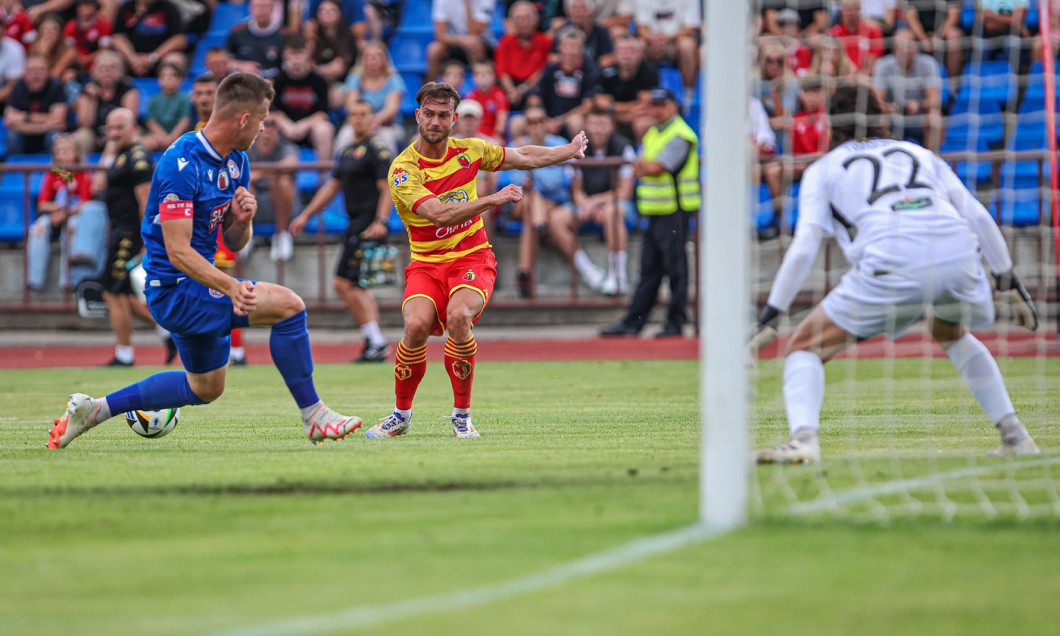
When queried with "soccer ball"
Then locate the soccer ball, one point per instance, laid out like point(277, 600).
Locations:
point(153, 423)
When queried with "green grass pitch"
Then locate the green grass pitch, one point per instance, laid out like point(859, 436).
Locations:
point(234, 520)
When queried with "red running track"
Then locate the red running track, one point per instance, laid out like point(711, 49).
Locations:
point(909, 346)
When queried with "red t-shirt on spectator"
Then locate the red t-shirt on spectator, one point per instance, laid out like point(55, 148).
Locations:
point(799, 59)
point(89, 39)
point(867, 40)
point(809, 133)
point(493, 101)
point(518, 62)
point(19, 26)
point(52, 187)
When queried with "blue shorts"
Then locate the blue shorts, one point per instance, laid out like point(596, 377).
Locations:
point(200, 321)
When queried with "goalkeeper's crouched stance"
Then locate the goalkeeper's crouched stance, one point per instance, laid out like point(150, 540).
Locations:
point(915, 238)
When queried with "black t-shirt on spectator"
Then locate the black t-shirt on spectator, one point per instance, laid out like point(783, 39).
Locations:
point(131, 167)
point(105, 106)
point(150, 30)
point(932, 13)
point(359, 169)
point(300, 98)
point(806, 9)
point(36, 101)
point(600, 179)
point(263, 49)
point(561, 91)
point(646, 78)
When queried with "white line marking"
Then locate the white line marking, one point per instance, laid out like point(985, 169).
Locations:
point(364, 616)
point(894, 487)
point(626, 554)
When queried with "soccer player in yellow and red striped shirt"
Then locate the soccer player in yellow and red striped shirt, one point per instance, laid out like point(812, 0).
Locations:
point(453, 268)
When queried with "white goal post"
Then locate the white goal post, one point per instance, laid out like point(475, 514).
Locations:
point(724, 316)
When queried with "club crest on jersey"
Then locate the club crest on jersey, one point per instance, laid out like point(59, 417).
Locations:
point(222, 180)
point(456, 196)
point(469, 275)
point(233, 170)
point(216, 294)
point(463, 160)
point(400, 176)
point(217, 215)
point(359, 152)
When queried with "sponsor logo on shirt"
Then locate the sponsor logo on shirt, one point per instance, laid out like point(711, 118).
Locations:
point(217, 215)
point(400, 176)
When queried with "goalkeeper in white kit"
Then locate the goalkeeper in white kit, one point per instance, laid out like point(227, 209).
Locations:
point(915, 238)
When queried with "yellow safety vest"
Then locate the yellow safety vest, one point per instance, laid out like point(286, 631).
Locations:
point(665, 193)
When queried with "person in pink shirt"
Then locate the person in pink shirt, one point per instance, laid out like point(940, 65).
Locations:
point(862, 39)
point(492, 98)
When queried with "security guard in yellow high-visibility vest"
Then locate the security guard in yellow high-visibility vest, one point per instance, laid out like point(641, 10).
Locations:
point(668, 193)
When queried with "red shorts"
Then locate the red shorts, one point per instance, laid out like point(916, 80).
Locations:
point(438, 281)
point(224, 258)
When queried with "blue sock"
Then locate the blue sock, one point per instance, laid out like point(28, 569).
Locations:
point(168, 389)
point(289, 346)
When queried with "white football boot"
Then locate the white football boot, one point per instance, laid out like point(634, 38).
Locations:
point(390, 426)
point(327, 424)
point(1015, 440)
point(78, 418)
point(802, 448)
point(462, 426)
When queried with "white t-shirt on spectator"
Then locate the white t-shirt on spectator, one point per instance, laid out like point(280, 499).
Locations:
point(877, 8)
point(667, 16)
point(454, 14)
point(12, 59)
point(758, 128)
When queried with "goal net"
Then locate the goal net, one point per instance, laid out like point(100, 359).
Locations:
point(901, 434)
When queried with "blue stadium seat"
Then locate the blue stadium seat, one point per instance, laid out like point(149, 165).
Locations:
point(670, 77)
point(765, 216)
point(971, 173)
point(415, 14)
point(990, 81)
point(408, 102)
point(497, 24)
point(12, 196)
point(409, 51)
point(307, 181)
point(3, 139)
point(1021, 181)
point(197, 66)
point(976, 120)
point(334, 218)
point(12, 217)
point(225, 16)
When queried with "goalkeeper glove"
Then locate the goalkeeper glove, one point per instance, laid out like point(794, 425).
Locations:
point(765, 331)
point(1012, 295)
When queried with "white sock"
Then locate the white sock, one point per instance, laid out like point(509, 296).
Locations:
point(124, 354)
point(162, 332)
point(373, 333)
point(584, 264)
point(102, 410)
point(980, 373)
point(308, 411)
point(461, 412)
point(803, 390)
point(238, 353)
point(404, 414)
point(618, 264)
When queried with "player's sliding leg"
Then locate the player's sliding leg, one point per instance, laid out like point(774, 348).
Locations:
point(815, 341)
point(168, 389)
point(289, 346)
point(410, 365)
point(982, 375)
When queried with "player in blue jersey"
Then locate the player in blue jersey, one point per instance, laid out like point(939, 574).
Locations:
point(199, 189)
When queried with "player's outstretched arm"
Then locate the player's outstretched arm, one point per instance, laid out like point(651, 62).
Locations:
point(530, 157)
point(453, 213)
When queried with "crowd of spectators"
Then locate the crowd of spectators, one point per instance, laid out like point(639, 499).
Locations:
point(66, 64)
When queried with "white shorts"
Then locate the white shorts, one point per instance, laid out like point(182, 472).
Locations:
point(867, 303)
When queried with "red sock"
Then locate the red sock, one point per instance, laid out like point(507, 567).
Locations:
point(409, 367)
point(237, 337)
point(460, 364)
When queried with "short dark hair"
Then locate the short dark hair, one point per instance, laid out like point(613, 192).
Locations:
point(600, 111)
point(217, 49)
point(856, 113)
point(437, 91)
point(242, 90)
point(205, 78)
point(296, 42)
